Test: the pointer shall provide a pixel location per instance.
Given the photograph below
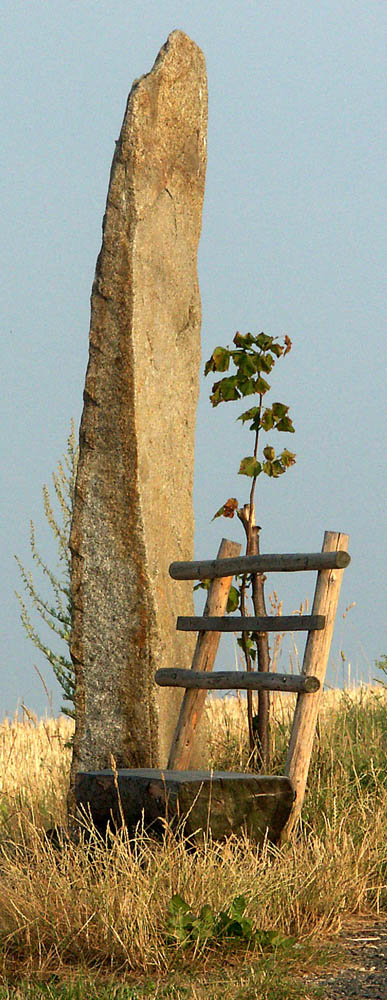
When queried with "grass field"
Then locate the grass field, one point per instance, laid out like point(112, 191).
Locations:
point(86, 921)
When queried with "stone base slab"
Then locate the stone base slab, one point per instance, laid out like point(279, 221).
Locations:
point(224, 802)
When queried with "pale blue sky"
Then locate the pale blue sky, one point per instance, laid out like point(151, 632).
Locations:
point(292, 241)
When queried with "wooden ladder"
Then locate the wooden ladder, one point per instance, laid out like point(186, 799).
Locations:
point(330, 564)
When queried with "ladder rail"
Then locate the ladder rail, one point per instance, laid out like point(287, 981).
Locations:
point(192, 705)
point(326, 598)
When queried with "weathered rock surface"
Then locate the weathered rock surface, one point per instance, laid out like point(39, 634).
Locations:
point(133, 499)
point(224, 802)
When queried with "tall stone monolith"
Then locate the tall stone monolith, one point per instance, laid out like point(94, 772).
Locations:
point(133, 509)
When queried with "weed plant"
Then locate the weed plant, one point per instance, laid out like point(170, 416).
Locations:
point(101, 913)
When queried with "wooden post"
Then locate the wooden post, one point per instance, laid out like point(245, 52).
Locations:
point(203, 659)
point(315, 662)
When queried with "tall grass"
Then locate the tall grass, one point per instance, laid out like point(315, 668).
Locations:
point(34, 772)
point(91, 908)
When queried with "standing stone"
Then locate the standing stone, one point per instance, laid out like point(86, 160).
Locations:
point(133, 509)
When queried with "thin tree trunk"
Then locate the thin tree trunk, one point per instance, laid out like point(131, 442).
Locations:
point(262, 720)
point(259, 725)
point(250, 719)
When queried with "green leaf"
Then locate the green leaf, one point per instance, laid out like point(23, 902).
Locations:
point(246, 642)
point(268, 468)
point(261, 386)
point(287, 458)
point(224, 390)
point(279, 410)
point(277, 469)
point(233, 600)
point(236, 928)
point(219, 361)
point(272, 939)
point(245, 363)
point(250, 467)
point(249, 414)
point(221, 358)
point(180, 920)
point(216, 396)
point(267, 421)
point(178, 905)
point(247, 387)
point(267, 363)
point(238, 907)
point(233, 923)
point(205, 924)
point(277, 350)
point(285, 424)
point(243, 340)
point(269, 453)
point(209, 366)
point(263, 341)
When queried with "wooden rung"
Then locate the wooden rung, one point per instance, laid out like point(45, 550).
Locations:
point(291, 562)
point(227, 680)
point(269, 623)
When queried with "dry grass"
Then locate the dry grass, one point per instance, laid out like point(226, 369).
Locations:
point(85, 907)
point(34, 771)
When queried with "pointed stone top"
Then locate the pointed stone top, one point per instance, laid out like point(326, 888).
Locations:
point(178, 47)
point(164, 132)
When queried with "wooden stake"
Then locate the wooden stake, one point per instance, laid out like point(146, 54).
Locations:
point(315, 663)
point(203, 659)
